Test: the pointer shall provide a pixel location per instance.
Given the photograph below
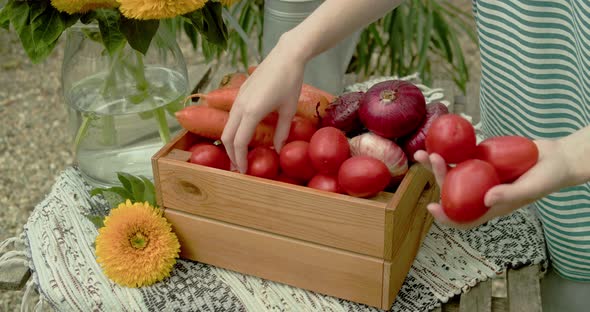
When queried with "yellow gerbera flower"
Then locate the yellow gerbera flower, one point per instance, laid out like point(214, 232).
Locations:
point(158, 9)
point(228, 3)
point(82, 6)
point(136, 245)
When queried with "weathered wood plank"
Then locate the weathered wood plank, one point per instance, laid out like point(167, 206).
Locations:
point(449, 90)
point(478, 298)
point(524, 289)
point(14, 277)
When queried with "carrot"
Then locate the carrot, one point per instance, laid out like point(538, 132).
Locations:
point(311, 105)
point(330, 97)
point(222, 98)
point(234, 80)
point(251, 69)
point(209, 122)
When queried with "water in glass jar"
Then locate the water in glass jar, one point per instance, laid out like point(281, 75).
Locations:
point(121, 128)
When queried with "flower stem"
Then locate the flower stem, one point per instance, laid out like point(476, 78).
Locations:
point(81, 133)
point(160, 114)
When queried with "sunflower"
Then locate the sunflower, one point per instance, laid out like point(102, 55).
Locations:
point(158, 9)
point(82, 6)
point(136, 245)
point(228, 3)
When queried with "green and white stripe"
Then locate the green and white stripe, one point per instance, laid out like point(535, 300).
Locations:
point(536, 83)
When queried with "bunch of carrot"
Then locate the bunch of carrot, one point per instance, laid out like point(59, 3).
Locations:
point(209, 118)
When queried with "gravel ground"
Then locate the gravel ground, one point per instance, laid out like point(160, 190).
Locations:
point(34, 134)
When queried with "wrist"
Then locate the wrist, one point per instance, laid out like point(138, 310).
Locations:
point(295, 48)
point(575, 148)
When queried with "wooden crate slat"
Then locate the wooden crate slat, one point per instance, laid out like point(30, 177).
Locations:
point(308, 266)
point(524, 289)
point(478, 298)
point(335, 220)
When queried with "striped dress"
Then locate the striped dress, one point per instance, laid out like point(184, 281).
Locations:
point(535, 58)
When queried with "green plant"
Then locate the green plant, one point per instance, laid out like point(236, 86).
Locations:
point(409, 38)
point(405, 41)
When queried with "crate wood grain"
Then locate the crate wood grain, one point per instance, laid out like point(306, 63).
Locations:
point(354, 248)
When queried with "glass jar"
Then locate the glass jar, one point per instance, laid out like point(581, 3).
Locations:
point(121, 106)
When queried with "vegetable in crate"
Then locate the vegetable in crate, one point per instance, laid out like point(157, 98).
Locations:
point(295, 162)
point(363, 176)
point(263, 162)
point(233, 80)
point(370, 144)
point(302, 129)
point(208, 122)
point(464, 189)
point(209, 155)
point(326, 182)
point(343, 113)
point(328, 149)
point(392, 109)
point(452, 137)
point(417, 140)
point(511, 156)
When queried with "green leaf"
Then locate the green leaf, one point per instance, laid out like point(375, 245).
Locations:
point(424, 35)
point(5, 17)
point(97, 220)
point(210, 24)
point(139, 33)
point(115, 189)
point(39, 26)
point(108, 23)
point(137, 186)
point(192, 33)
point(149, 194)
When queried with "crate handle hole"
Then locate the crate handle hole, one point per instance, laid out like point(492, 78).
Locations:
point(190, 188)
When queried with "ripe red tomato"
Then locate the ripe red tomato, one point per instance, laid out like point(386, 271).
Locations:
point(196, 145)
point(511, 156)
point(464, 189)
point(328, 149)
point(302, 129)
point(294, 161)
point(452, 137)
point(210, 155)
point(263, 162)
point(363, 176)
point(325, 182)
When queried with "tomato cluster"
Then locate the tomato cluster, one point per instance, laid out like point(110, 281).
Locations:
point(321, 161)
point(478, 167)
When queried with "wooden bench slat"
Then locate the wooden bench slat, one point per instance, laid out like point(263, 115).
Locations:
point(478, 299)
point(524, 289)
point(14, 277)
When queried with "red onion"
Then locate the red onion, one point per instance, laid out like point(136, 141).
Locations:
point(392, 108)
point(342, 113)
point(416, 140)
point(370, 144)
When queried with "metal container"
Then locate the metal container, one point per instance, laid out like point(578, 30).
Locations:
point(325, 71)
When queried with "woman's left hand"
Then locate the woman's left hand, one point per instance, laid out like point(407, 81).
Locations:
point(551, 173)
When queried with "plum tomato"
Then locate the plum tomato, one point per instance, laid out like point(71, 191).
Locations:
point(325, 182)
point(302, 129)
point(511, 156)
point(328, 149)
point(363, 176)
point(464, 189)
point(263, 162)
point(452, 137)
point(210, 155)
point(294, 161)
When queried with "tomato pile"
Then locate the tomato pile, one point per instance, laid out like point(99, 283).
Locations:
point(362, 143)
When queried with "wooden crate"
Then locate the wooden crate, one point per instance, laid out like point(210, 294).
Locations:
point(352, 248)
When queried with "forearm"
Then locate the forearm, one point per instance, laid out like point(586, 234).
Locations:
point(330, 23)
point(577, 149)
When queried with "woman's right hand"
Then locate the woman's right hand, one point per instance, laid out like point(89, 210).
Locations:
point(275, 85)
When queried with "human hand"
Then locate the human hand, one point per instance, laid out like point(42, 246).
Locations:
point(548, 175)
point(275, 85)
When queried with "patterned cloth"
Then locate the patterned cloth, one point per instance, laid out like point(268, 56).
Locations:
point(60, 252)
